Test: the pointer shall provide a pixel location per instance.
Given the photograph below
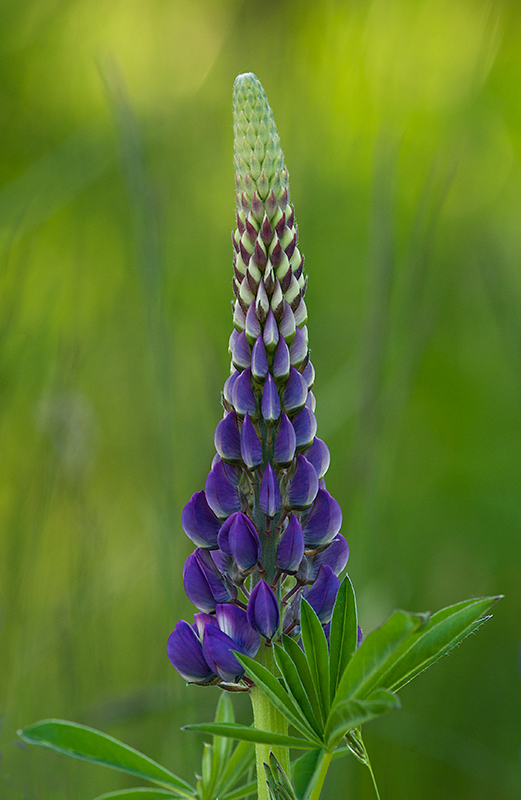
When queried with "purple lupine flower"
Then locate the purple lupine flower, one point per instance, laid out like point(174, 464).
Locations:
point(263, 610)
point(265, 517)
point(199, 522)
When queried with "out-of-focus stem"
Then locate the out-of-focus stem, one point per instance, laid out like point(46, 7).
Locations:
point(326, 760)
point(267, 718)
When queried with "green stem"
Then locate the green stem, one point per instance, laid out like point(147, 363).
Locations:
point(319, 780)
point(267, 718)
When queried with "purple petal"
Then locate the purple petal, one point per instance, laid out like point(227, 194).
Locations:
point(220, 493)
point(201, 620)
point(311, 402)
point(263, 610)
point(227, 439)
point(287, 324)
point(223, 562)
point(322, 595)
point(252, 328)
point(238, 538)
point(218, 651)
point(359, 637)
point(318, 454)
point(335, 556)
point(285, 443)
point(295, 393)
point(281, 362)
point(259, 360)
point(269, 496)
point(271, 332)
point(270, 404)
point(290, 551)
point(203, 585)
point(228, 386)
point(299, 348)
point(199, 522)
point(251, 447)
point(323, 521)
point(304, 485)
point(233, 621)
point(185, 653)
point(241, 351)
point(308, 373)
point(305, 425)
point(243, 395)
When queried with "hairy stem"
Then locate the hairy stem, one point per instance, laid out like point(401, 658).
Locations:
point(267, 718)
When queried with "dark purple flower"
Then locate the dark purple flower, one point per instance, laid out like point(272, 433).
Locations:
point(251, 447)
point(219, 646)
point(270, 404)
point(243, 395)
point(285, 443)
point(305, 425)
point(204, 585)
point(269, 496)
point(322, 595)
point(304, 485)
point(290, 551)
point(308, 373)
point(295, 393)
point(318, 454)
point(287, 323)
point(263, 610)
point(241, 352)
point(220, 493)
point(259, 360)
point(238, 538)
point(227, 439)
point(311, 402)
point(281, 362)
point(299, 347)
point(223, 562)
point(323, 522)
point(199, 522)
point(228, 386)
point(271, 332)
point(185, 653)
point(335, 556)
point(252, 324)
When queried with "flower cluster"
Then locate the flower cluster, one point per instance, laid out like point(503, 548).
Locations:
point(265, 527)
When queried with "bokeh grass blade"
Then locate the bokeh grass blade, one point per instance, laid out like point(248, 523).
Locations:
point(352, 713)
point(375, 656)
point(343, 633)
point(445, 629)
point(295, 688)
point(240, 762)
point(138, 794)
point(91, 745)
point(277, 694)
point(302, 667)
point(317, 654)
point(247, 734)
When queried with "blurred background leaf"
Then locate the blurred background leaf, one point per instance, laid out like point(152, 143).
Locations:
point(401, 125)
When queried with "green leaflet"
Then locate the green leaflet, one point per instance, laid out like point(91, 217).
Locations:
point(305, 770)
point(302, 667)
point(240, 762)
point(295, 687)
point(245, 733)
point(317, 654)
point(91, 745)
point(138, 794)
point(352, 713)
point(343, 633)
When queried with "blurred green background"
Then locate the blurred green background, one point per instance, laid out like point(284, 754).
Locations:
point(401, 125)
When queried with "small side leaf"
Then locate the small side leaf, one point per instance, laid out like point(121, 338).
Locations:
point(247, 734)
point(352, 713)
point(343, 633)
point(91, 745)
point(317, 654)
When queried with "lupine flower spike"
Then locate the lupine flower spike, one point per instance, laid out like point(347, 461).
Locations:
point(265, 527)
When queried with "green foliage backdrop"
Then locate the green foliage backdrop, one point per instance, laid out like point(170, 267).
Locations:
point(401, 125)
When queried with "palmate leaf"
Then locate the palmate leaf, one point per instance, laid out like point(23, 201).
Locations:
point(92, 745)
point(295, 687)
point(299, 660)
point(247, 734)
point(305, 769)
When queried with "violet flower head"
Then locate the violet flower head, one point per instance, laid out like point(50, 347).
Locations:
point(267, 532)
